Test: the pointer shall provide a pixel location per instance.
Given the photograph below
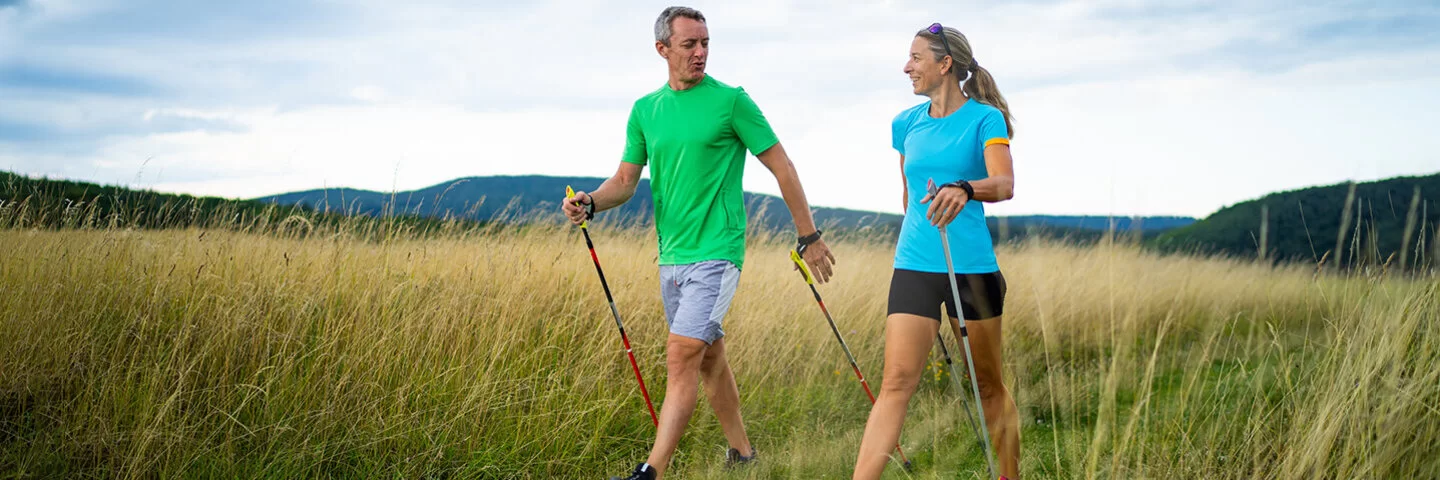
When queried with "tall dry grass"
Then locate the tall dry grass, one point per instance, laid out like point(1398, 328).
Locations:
point(305, 352)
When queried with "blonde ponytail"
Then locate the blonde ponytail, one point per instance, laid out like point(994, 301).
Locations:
point(981, 86)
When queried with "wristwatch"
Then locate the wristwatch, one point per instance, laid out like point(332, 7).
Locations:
point(805, 241)
point(963, 185)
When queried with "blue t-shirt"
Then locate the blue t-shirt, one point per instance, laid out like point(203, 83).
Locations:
point(946, 149)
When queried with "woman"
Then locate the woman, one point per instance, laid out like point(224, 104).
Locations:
point(959, 138)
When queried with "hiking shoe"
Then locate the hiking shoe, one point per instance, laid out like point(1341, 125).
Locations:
point(642, 472)
point(733, 458)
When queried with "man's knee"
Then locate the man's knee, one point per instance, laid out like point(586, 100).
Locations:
point(684, 354)
point(714, 360)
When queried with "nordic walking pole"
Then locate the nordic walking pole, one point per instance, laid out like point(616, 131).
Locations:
point(585, 228)
point(965, 340)
point(809, 280)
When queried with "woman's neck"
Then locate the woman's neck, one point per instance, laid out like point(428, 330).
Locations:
point(946, 100)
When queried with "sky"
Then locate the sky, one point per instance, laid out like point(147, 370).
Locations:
point(1122, 107)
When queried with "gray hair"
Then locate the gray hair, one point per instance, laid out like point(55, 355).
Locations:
point(663, 24)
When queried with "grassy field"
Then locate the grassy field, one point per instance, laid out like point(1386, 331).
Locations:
point(490, 353)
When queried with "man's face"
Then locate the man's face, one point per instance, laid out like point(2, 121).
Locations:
point(689, 47)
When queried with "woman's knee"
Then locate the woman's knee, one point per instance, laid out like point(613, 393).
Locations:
point(985, 336)
point(908, 338)
point(901, 381)
point(991, 384)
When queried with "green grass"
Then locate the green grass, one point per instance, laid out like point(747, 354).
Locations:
point(490, 353)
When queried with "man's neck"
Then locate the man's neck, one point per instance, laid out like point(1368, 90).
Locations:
point(677, 84)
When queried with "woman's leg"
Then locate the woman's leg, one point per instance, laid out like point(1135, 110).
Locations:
point(908, 339)
point(1001, 416)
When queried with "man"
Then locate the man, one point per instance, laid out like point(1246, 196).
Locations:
point(693, 133)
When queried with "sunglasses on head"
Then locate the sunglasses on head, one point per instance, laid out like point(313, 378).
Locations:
point(938, 29)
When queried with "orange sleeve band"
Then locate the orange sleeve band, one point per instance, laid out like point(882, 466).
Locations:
point(997, 141)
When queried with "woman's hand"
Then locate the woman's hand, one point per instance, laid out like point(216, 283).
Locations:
point(945, 204)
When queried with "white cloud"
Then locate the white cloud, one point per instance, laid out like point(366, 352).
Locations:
point(1122, 107)
point(376, 146)
point(368, 93)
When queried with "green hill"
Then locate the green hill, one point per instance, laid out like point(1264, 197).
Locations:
point(45, 202)
point(27, 202)
point(1305, 224)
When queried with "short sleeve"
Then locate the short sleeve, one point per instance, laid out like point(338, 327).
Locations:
point(634, 139)
point(750, 125)
point(993, 129)
point(898, 129)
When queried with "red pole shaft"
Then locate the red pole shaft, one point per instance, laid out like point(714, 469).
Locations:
point(623, 337)
point(626, 338)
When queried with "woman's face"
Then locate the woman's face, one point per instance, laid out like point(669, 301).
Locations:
point(923, 69)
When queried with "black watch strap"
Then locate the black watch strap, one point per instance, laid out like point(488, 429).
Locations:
point(963, 185)
point(805, 241)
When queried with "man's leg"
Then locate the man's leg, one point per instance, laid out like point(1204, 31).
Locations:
point(701, 295)
point(724, 396)
point(683, 357)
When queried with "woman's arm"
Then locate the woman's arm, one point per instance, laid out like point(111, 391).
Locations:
point(999, 186)
point(904, 188)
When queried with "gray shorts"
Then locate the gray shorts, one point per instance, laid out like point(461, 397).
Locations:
point(696, 297)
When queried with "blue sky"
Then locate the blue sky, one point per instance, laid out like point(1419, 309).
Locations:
point(1123, 107)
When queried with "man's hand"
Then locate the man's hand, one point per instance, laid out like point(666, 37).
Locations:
point(944, 205)
point(818, 257)
point(574, 207)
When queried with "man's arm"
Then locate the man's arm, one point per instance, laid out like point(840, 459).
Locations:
point(614, 192)
point(817, 255)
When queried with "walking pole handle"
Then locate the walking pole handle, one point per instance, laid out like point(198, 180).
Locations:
point(569, 194)
point(934, 190)
point(800, 264)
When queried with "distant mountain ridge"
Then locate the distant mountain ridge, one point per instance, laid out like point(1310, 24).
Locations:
point(1302, 225)
point(526, 196)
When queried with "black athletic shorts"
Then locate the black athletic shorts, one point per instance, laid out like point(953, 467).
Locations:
point(982, 295)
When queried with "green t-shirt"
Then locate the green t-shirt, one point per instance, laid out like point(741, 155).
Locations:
point(694, 141)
